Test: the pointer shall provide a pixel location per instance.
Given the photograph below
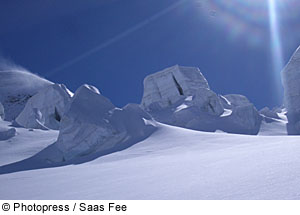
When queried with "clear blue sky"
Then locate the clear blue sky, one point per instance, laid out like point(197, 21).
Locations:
point(114, 44)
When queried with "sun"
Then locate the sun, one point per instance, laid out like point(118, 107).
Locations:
point(256, 22)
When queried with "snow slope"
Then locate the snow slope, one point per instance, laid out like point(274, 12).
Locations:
point(173, 163)
point(24, 144)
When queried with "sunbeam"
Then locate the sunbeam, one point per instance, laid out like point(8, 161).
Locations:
point(276, 48)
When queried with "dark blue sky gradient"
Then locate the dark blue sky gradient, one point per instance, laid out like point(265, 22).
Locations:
point(43, 35)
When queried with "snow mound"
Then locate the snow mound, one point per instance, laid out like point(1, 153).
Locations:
point(291, 84)
point(46, 108)
point(16, 87)
point(6, 132)
point(92, 124)
point(181, 96)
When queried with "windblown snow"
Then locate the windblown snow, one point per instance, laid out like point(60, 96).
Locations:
point(16, 86)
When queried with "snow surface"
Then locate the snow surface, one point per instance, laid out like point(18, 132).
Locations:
point(24, 144)
point(173, 163)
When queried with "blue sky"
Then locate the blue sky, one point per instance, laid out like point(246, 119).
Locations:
point(228, 40)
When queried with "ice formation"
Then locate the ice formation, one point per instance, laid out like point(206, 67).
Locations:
point(2, 113)
point(244, 118)
point(16, 87)
point(92, 124)
point(45, 109)
point(165, 88)
point(291, 84)
point(6, 132)
point(181, 96)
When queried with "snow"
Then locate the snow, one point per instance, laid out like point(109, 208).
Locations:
point(291, 84)
point(181, 96)
point(24, 144)
point(269, 113)
point(236, 100)
point(6, 132)
point(16, 87)
point(227, 112)
point(166, 87)
point(181, 107)
point(276, 128)
point(105, 152)
point(46, 108)
point(2, 113)
point(91, 124)
point(173, 163)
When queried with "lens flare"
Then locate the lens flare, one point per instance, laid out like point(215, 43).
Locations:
point(276, 48)
point(255, 23)
point(249, 20)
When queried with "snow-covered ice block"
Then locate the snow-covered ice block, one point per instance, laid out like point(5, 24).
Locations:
point(166, 87)
point(46, 108)
point(236, 100)
point(6, 132)
point(270, 116)
point(269, 113)
point(92, 124)
point(181, 96)
point(208, 102)
point(244, 118)
point(291, 84)
point(16, 87)
point(2, 114)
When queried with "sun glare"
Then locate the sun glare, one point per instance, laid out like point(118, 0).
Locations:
point(276, 48)
point(254, 22)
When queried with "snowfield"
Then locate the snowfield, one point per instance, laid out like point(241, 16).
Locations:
point(173, 163)
point(24, 144)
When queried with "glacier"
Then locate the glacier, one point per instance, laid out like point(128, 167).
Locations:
point(183, 141)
